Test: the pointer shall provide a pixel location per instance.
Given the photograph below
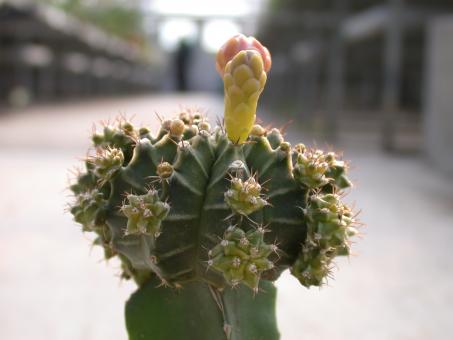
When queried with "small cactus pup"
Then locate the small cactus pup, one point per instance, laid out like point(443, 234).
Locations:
point(204, 219)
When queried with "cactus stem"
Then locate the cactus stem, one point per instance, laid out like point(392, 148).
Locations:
point(233, 189)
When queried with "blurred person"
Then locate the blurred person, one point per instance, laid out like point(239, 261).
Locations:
point(182, 61)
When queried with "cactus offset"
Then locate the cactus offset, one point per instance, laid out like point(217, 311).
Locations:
point(204, 210)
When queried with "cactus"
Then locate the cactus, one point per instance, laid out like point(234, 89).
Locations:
point(205, 219)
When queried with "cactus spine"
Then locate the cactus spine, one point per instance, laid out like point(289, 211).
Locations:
point(202, 210)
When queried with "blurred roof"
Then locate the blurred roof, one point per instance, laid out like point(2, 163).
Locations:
point(353, 5)
point(40, 16)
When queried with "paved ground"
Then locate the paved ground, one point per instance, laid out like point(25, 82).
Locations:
point(53, 287)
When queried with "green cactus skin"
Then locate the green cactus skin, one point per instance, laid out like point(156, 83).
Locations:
point(211, 221)
point(193, 313)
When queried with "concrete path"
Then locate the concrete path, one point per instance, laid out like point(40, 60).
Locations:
point(52, 286)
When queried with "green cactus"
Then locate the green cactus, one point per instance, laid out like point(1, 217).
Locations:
point(211, 222)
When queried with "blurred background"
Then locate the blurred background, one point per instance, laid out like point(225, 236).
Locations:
point(372, 78)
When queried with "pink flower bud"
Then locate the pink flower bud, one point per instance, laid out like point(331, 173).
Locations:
point(239, 43)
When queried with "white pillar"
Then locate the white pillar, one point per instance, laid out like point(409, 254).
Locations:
point(438, 115)
point(392, 73)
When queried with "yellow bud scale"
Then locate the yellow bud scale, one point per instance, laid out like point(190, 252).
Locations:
point(244, 80)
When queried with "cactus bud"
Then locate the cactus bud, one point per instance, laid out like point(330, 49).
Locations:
point(300, 148)
point(242, 63)
point(127, 127)
point(244, 80)
point(204, 126)
point(240, 43)
point(285, 147)
point(143, 131)
point(190, 131)
point(164, 170)
point(275, 138)
point(185, 117)
point(257, 130)
point(177, 128)
point(145, 213)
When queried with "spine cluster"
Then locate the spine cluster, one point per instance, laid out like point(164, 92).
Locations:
point(145, 213)
point(244, 197)
point(330, 222)
point(242, 256)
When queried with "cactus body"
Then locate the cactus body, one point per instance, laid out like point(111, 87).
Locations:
point(206, 210)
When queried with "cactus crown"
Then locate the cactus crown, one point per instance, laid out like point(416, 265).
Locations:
point(224, 207)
